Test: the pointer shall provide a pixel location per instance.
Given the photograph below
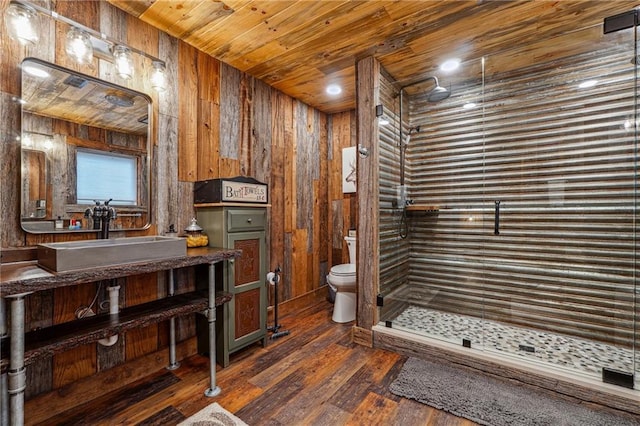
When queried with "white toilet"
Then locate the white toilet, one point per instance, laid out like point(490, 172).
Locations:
point(342, 279)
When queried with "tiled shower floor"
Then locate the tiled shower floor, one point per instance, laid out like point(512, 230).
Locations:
point(569, 352)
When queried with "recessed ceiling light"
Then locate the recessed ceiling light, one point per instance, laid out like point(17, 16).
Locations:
point(35, 71)
point(587, 84)
point(450, 64)
point(334, 89)
point(119, 99)
point(469, 105)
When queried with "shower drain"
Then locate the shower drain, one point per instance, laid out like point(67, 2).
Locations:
point(527, 348)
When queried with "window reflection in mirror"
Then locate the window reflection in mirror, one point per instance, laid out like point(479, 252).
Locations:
point(68, 121)
point(104, 176)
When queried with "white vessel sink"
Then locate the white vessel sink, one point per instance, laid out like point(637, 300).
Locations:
point(72, 255)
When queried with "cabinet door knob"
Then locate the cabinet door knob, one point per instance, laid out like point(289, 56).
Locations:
point(249, 220)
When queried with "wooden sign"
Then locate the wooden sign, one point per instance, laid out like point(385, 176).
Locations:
point(233, 190)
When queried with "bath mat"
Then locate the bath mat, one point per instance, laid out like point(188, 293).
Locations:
point(490, 401)
point(213, 415)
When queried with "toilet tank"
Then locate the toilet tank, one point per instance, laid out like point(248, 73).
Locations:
point(351, 244)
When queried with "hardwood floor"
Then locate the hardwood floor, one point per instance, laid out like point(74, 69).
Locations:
point(314, 376)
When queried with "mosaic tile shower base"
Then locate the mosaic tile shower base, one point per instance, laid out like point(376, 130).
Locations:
point(569, 352)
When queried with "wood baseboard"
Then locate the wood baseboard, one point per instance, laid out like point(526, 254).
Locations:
point(362, 336)
point(298, 303)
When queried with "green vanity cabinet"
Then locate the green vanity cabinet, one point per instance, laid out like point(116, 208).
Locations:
point(242, 321)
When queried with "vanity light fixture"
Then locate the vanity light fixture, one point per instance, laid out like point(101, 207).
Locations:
point(124, 61)
point(158, 76)
point(78, 46)
point(21, 21)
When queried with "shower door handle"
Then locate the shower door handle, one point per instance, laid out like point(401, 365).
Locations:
point(496, 219)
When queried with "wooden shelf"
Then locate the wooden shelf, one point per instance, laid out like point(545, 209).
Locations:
point(20, 278)
point(421, 208)
point(59, 338)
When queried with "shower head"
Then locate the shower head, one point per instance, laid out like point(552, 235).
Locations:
point(438, 93)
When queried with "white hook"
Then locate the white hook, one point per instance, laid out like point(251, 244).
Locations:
point(364, 152)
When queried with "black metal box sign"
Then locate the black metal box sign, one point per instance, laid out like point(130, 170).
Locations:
point(239, 189)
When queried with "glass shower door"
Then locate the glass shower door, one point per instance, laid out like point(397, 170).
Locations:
point(559, 265)
point(439, 229)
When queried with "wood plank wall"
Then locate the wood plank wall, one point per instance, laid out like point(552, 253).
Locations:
point(212, 121)
point(562, 162)
point(368, 245)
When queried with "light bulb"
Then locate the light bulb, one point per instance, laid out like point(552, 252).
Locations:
point(450, 65)
point(78, 45)
point(333, 89)
point(158, 76)
point(21, 21)
point(124, 62)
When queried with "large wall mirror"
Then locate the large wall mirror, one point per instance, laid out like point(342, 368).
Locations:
point(83, 141)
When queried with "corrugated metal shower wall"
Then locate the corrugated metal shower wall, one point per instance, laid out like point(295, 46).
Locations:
point(394, 251)
point(562, 163)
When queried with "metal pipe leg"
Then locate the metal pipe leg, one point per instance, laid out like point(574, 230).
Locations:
point(4, 381)
point(214, 390)
point(173, 364)
point(17, 371)
point(4, 401)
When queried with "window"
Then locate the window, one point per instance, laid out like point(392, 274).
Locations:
point(102, 175)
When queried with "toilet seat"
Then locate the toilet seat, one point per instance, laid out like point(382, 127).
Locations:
point(343, 270)
point(343, 277)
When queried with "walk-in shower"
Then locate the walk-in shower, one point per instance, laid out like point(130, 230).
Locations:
point(555, 287)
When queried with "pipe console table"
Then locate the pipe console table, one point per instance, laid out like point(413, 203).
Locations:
point(21, 278)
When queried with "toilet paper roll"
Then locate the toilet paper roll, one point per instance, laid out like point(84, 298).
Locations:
point(271, 278)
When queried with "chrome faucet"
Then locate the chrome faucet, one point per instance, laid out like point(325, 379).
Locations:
point(101, 215)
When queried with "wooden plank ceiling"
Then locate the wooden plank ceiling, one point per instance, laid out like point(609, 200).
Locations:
point(301, 46)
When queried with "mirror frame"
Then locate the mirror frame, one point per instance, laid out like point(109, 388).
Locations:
point(46, 225)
